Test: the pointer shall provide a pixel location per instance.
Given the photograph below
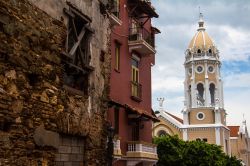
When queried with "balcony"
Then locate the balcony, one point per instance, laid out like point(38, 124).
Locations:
point(139, 7)
point(117, 149)
point(141, 151)
point(141, 41)
point(136, 91)
point(114, 14)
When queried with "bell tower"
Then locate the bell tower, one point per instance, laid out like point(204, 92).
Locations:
point(203, 85)
point(204, 105)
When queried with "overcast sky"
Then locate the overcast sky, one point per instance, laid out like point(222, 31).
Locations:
point(228, 24)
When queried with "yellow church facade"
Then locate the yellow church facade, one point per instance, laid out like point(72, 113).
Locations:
point(204, 116)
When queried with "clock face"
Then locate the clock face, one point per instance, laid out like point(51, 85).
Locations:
point(199, 69)
point(211, 69)
point(200, 116)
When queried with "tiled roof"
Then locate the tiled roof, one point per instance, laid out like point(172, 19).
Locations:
point(234, 131)
point(175, 117)
point(136, 110)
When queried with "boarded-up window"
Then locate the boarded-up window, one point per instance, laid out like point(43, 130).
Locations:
point(77, 56)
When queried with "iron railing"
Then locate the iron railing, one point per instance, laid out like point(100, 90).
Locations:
point(115, 8)
point(141, 34)
point(137, 146)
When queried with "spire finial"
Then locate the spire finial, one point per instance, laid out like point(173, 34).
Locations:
point(201, 21)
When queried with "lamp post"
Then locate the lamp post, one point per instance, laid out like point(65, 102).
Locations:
point(110, 148)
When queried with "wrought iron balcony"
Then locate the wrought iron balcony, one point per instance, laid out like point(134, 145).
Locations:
point(141, 41)
point(114, 12)
point(142, 150)
point(136, 91)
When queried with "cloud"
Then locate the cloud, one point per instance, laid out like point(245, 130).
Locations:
point(236, 104)
point(241, 80)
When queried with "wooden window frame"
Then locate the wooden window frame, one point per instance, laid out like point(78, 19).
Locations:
point(136, 88)
point(76, 58)
point(117, 56)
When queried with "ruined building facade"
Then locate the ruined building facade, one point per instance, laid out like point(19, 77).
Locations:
point(54, 82)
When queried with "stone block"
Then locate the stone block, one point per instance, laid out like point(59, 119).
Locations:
point(75, 150)
point(68, 164)
point(65, 157)
point(77, 163)
point(76, 157)
point(44, 137)
point(58, 158)
point(64, 149)
point(59, 163)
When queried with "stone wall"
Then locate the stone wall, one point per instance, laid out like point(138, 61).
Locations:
point(35, 110)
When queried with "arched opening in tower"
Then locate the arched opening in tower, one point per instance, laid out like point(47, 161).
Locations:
point(200, 89)
point(212, 91)
point(189, 96)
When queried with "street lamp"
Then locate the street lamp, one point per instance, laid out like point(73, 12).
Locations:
point(110, 148)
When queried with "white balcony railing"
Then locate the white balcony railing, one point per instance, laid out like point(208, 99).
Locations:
point(142, 149)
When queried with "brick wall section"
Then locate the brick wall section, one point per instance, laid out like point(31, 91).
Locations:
point(70, 151)
point(31, 93)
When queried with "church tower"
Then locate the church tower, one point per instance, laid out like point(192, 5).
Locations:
point(204, 117)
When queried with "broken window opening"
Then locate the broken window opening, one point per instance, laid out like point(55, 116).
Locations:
point(189, 96)
point(77, 57)
point(212, 90)
point(76, 79)
point(200, 89)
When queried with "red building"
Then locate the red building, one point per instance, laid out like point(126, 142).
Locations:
point(133, 52)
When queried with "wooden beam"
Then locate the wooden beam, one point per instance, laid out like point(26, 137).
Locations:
point(79, 39)
point(74, 29)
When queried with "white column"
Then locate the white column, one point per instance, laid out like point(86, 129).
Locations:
point(186, 102)
point(217, 116)
point(217, 135)
point(224, 140)
point(185, 134)
point(193, 88)
point(185, 117)
point(222, 95)
point(206, 86)
point(219, 84)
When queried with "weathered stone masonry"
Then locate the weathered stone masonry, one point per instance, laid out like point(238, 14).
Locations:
point(42, 123)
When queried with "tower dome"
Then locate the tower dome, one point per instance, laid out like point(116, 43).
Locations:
point(201, 39)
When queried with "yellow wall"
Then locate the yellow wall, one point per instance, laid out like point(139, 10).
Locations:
point(208, 133)
point(166, 126)
point(209, 116)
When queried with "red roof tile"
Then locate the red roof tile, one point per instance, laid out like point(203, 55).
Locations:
point(136, 110)
point(234, 131)
point(175, 117)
